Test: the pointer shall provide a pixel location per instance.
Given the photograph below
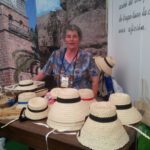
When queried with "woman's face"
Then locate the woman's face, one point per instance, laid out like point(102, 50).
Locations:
point(72, 39)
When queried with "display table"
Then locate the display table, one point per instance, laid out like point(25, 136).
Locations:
point(34, 136)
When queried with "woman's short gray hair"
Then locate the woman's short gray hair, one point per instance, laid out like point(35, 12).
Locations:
point(73, 27)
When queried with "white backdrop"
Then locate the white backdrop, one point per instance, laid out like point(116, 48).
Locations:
point(129, 44)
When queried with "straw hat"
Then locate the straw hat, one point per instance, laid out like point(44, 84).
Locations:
point(127, 113)
point(87, 95)
point(26, 85)
point(102, 129)
point(68, 112)
point(106, 64)
point(7, 100)
point(41, 92)
point(146, 116)
point(54, 92)
point(37, 108)
point(23, 98)
point(52, 95)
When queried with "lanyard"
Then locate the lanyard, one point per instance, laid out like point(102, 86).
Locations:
point(66, 69)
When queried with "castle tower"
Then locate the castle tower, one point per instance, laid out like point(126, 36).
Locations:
point(14, 35)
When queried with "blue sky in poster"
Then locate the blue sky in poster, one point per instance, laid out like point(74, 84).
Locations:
point(31, 12)
point(36, 8)
point(44, 6)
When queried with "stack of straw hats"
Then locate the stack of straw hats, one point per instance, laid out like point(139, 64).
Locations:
point(68, 112)
point(37, 108)
point(23, 98)
point(26, 85)
point(127, 113)
point(102, 129)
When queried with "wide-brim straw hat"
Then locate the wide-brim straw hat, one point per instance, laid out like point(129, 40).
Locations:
point(26, 85)
point(37, 108)
point(23, 98)
point(105, 64)
point(146, 116)
point(41, 92)
point(68, 112)
point(127, 113)
point(102, 129)
point(9, 113)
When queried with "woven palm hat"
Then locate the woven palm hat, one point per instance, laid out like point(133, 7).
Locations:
point(37, 108)
point(23, 98)
point(102, 129)
point(68, 112)
point(127, 113)
point(52, 95)
point(54, 92)
point(26, 85)
point(146, 115)
point(105, 63)
point(87, 95)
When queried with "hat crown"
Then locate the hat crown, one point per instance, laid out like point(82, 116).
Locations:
point(68, 93)
point(102, 109)
point(37, 103)
point(25, 82)
point(120, 99)
point(54, 92)
point(86, 93)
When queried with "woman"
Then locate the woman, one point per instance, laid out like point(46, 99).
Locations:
point(72, 67)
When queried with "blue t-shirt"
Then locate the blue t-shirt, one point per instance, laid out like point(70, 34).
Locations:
point(81, 69)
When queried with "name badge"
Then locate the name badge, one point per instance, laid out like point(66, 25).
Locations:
point(64, 81)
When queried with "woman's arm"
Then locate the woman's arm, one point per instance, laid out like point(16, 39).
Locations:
point(39, 77)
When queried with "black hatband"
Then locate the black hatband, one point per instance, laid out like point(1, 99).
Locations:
point(71, 100)
point(103, 120)
point(36, 111)
point(120, 107)
point(108, 63)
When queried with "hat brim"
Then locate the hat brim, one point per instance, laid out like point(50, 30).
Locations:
point(68, 113)
point(37, 115)
point(101, 64)
point(129, 116)
point(26, 88)
point(65, 126)
point(96, 135)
